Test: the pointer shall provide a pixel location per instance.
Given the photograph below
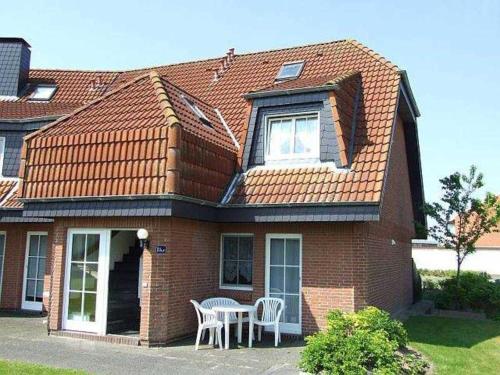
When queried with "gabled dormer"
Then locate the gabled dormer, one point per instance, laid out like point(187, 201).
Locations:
point(303, 121)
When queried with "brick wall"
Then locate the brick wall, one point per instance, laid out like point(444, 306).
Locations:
point(13, 270)
point(390, 270)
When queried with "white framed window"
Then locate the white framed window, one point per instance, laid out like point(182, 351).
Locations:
point(292, 137)
point(43, 92)
point(290, 70)
point(236, 261)
point(2, 154)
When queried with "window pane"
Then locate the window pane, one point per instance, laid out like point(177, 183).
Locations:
point(292, 309)
point(245, 273)
point(277, 251)
point(30, 290)
point(306, 136)
point(32, 266)
point(75, 306)
point(78, 250)
point(43, 246)
point(89, 307)
point(292, 280)
point(2, 244)
point(246, 248)
point(33, 246)
point(230, 248)
point(279, 137)
point(277, 282)
point(290, 70)
point(41, 268)
point(91, 278)
point(92, 247)
point(39, 291)
point(292, 252)
point(76, 277)
point(230, 272)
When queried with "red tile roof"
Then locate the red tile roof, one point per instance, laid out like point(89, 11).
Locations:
point(117, 145)
point(11, 201)
point(5, 187)
point(380, 85)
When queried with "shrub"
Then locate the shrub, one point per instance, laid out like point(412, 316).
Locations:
point(476, 292)
point(355, 343)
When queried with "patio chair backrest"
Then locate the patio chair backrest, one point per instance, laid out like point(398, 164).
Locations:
point(220, 301)
point(204, 315)
point(271, 308)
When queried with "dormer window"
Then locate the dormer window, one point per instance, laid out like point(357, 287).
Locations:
point(290, 70)
point(43, 92)
point(197, 111)
point(293, 137)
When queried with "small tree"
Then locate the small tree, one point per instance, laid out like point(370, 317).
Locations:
point(461, 218)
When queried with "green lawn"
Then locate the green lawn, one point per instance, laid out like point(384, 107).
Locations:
point(13, 367)
point(457, 346)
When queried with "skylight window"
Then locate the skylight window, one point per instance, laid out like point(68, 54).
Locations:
point(290, 70)
point(43, 92)
point(197, 111)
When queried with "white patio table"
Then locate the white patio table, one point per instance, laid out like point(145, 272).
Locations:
point(239, 309)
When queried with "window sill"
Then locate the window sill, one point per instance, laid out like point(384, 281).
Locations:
point(240, 288)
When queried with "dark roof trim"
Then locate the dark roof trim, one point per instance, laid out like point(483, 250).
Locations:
point(408, 93)
point(195, 210)
point(14, 40)
point(302, 90)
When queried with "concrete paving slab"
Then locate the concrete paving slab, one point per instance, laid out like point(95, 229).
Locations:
point(24, 338)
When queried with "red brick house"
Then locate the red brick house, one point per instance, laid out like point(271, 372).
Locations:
point(292, 173)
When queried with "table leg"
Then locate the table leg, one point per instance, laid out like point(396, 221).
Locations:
point(250, 329)
point(226, 329)
point(240, 326)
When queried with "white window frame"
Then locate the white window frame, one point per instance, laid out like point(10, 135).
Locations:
point(221, 262)
point(99, 326)
point(4, 233)
point(299, 72)
point(32, 305)
point(293, 156)
point(2, 154)
point(32, 96)
point(197, 111)
point(285, 327)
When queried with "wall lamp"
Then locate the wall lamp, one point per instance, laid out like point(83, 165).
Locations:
point(142, 235)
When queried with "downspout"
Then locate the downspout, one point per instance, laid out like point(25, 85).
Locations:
point(174, 136)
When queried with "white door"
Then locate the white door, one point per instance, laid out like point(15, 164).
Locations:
point(86, 282)
point(34, 270)
point(283, 277)
point(2, 256)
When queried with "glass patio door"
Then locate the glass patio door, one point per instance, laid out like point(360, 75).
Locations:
point(34, 270)
point(283, 277)
point(87, 269)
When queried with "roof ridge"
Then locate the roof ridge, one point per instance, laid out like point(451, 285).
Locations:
point(163, 100)
point(373, 54)
point(215, 59)
point(85, 106)
point(63, 70)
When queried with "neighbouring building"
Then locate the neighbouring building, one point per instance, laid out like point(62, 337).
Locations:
point(292, 173)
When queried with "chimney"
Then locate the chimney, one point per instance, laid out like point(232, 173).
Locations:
point(15, 56)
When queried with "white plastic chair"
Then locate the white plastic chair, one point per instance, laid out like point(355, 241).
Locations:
point(272, 308)
point(207, 319)
point(222, 301)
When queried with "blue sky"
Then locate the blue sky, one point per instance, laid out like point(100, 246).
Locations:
point(451, 50)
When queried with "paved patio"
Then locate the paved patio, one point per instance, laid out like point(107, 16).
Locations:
point(24, 338)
